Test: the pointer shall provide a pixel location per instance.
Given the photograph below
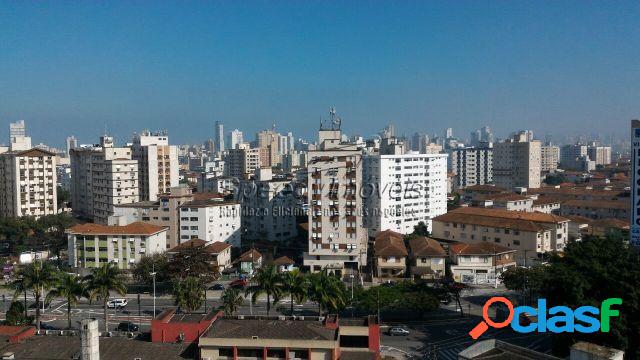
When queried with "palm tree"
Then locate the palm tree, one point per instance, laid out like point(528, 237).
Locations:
point(38, 276)
point(295, 285)
point(268, 282)
point(102, 281)
point(189, 293)
point(231, 300)
point(329, 292)
point(71, 288)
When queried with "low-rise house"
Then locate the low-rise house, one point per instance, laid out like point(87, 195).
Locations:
point(249, 261)
point(426, 258)
point(530, 233)
point(607, 227)
point(309, 338)
point(480, 263)
point(597, 209)
point(219, 252)
point(546, 204)
point(578, 227)
point(506, 201)
point(284, 264)
point(390, 254)
point(91, 245)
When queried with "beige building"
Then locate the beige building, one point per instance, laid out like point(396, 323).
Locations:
point(269, 140)
point(102, 177)
point(549, 158)
point(516, 162)
point(162, 212)
point(157, 164)
point(337, 239)
point(597, 209)
point(427, 258)
point(527, 232)
point(285, 338)
point(28, 183)
point(390, 254)
point(506, 201)
point(480, 263)
point(242, 161)
point(91, 245)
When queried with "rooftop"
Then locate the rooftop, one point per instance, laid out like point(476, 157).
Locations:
point(480, 248)
point(599, 204)
point(425, 246)
point(135, 228)
point(202, 203)
point(389, 244)
point(268, 328)
point(497, 218)
point(284, 260)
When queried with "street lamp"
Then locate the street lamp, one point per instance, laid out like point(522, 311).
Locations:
point(153, 273)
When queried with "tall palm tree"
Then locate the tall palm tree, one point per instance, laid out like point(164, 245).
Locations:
point(328, 291)
point(70, 287)
point(295, 284)
point(231, 300)
point(38, 277)
point(189, 293)
point(268, 282)
point(102, 281)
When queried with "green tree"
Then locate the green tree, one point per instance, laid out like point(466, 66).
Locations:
point(15, 314)
point(421, 229)
point(38, 277)
point(524, 279)
point(157, 263)
point(328, 291)
point(231, 301)
point(267, 281)
point(194, 262)
point(70, 287)
point(189, 293)
point(295, 285)
point(102, 281)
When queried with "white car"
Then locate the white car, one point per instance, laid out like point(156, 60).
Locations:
point(117, 303)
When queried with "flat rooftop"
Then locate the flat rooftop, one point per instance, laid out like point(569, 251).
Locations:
point(234, 328)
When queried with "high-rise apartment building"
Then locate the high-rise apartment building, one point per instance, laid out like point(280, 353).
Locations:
point(601, 155)
point(419, 142)
point(516, 162)
point(242, 161)
point(72, 143)
point(235, 139)
point(269, 140)
point(157, 164)
point(102, 176)
point(28, 183)
point(337, 239)
point(471, 166)
point(482, 137)
point(571, 156)
point(18, 138)
point(549, 158)
point(219, 141)
point(409, 188)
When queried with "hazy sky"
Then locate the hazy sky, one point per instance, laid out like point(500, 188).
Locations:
point(555, 67)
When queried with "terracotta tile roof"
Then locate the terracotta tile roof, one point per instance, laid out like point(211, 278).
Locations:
point(207, 196)
point(425, 246)
point(283, 260)
point(497, 218)
point(190, 244)
point(246, 257)
point(611, 223)
point(598, 204)
point(216, 247)
point(578, 219)
point(479, 248)
point(34, 152)
point(484, 188)
point(389, 245)
point(502, 197)
point(546, 200)
point(136, 228)
point(207, 203)
point(389, 233)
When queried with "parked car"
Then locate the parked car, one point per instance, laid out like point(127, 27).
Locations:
point(127, 326)
point(398, 331)
point(216, 287)
point(45, 326)
point(240, 283)
point(117, 303)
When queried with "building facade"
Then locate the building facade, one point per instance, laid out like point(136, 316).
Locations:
point(471, 166)
point(549, 158)
point(210, 220)
point(516, 162)
point(28, 183)
point(157, 164)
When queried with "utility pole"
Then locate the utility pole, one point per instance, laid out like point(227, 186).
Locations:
point(153, 273)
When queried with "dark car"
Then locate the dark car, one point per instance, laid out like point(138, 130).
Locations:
point(216, 287)
point(127, 326)
point(45, 326)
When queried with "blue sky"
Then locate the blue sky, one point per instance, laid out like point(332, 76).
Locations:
point(555, 67)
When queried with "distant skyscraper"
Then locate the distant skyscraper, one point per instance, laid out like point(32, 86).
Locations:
point(72, 143)
point(220, 136)
point(18, 136)
point(482, 137)
point(449, 133)
point(236, 139)
point(291, 142)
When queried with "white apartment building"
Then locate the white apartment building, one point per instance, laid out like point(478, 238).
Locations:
point(28, 183)
point(236, 138)
point(471, 166)
point(102, 177)
point(242, 161)
point(601, 155)
point(210, 220)
point(516, 162)
point(405, 189)
point(267, 208)
point(91, 245)
point(549, 158)
point(157, 164)
point(529, 233)
point(18, 139)
point(337, 239)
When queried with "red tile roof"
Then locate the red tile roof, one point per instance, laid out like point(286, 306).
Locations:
point(611, 223)
point(216, 247)
point(136, 228)
point(425, 246)
point(388, 243)
point(246, 257)
point(526, 221)
point(283, 260)
point(598, 204)
point(479, 248)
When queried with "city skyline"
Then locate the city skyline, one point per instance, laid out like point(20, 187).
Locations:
point(508, 66)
